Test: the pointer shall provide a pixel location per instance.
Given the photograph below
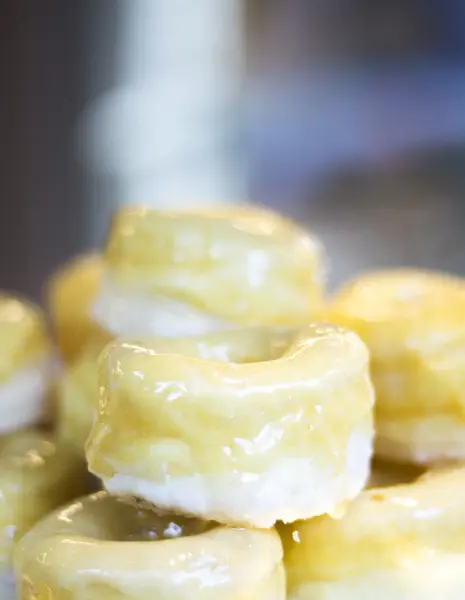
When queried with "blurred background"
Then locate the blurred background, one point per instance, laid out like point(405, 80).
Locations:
point(347, 114)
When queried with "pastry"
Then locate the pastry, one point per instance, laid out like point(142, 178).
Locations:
point(27, 365)
point(77, 388)
point(103, 547)
point(404, 542)
point(284, 438)
point(70, 295)
point(37, 474)
point(413, 323)
point(189, 273)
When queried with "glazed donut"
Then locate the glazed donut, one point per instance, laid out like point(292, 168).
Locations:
point(103, 547)
point(70, 295)
point(404, 542)
point(413, 323)
point(77, 388)
point(247, 444)
point(27, 365)
point(37, 474)
point(189, 273)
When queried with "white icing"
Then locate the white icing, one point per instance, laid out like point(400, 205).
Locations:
point(128, 313)
point(291, 489)
point(23, 397)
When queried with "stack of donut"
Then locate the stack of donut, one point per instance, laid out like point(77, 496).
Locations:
point(228, 410)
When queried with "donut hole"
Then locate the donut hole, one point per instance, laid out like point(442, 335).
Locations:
point(126, 519)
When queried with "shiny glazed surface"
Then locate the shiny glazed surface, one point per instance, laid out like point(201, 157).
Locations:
point(245, 265)
point(37, 474)
point(391, 527)
point(78, 388)
point(163, 414)
point(413, 322)
point(103, 547)
point(23, 336)
point(70, 294)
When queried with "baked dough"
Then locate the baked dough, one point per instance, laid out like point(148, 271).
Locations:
point(405, 542)
point(190, 273)
point(37, 474)
point(413, 323)
point(103, 547)
point(27, 365)
point(70, 294)
point(284, 438)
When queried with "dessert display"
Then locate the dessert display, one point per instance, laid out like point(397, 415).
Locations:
point(244, 444)
point(37, 474)
point(414, 326)
point(188, 273)
point(27, 365)
point(70, 295)
point(233, 431)
point(405, 542)
point(102, 548)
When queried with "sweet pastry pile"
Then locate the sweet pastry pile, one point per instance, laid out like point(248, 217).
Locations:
point(38, 471)
point(253, 439)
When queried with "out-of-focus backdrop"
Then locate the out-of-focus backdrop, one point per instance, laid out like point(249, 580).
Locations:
point(347, 114)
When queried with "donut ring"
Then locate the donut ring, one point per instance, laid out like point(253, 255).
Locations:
point(70, 295)
point(405, 542)
point(190, 273)
point(244, 444)
point(108, 547)
point(37, 474)
point(26, 365)
point(413, 322)
point(77, 389)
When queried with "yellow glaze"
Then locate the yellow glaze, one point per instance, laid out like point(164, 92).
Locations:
point(70, 294)
point(164, 415)
point(387, 528)
point(413, 323)
point(37, 474)
point(23, 336)
point(78, 388)
point(245, 265)
point(103, 547)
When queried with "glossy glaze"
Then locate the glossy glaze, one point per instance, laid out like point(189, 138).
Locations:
point(387, 528)
point(37, 474)
point(23, 336)
point(70, 294)
point(78, 387)
point(244, 265)
point(414, 325)
point(165, 415)
point(103, 547)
